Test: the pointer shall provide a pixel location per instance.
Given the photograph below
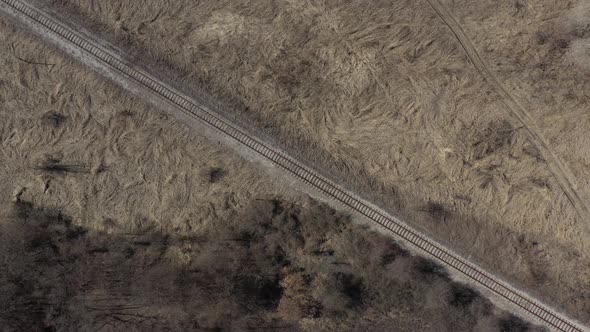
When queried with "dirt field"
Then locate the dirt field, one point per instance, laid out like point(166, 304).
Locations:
point(115, 217)
point(386, 97)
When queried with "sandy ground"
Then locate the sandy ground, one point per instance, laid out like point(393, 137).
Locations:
point(111, 213)
point(385, 96)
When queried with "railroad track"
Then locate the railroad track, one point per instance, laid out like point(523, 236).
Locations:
point(79, 45)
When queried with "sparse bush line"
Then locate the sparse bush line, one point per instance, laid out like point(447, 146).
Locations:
point(74, 42)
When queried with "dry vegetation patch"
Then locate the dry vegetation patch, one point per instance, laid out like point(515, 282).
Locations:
point(538, 49)
point(384, 97)
point(114, 217)
point(256, 272)
point(67, 144)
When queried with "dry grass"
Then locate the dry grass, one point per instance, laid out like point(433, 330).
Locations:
point(115, 217)
point(67, 145)
point(541, 55)
point(539, 50)
point(383, 95)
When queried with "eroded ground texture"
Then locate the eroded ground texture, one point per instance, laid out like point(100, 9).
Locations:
point(386, 97)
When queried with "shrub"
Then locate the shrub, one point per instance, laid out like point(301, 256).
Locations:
point(512, 323)
point(428, 269)
point(216, 174)
point(461, 295)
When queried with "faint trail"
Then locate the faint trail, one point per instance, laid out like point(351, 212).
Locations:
point(562, 174)
point(131, 76)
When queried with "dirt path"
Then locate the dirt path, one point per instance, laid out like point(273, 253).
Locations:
point(564, 176)
point(91, 52)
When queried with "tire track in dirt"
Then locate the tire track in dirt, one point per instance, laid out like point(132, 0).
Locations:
point(562, 174)
point(92, 52)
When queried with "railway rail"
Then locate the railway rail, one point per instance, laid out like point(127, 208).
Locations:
point(80, 43)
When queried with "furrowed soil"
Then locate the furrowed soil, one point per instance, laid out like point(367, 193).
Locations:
point(386, 97)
